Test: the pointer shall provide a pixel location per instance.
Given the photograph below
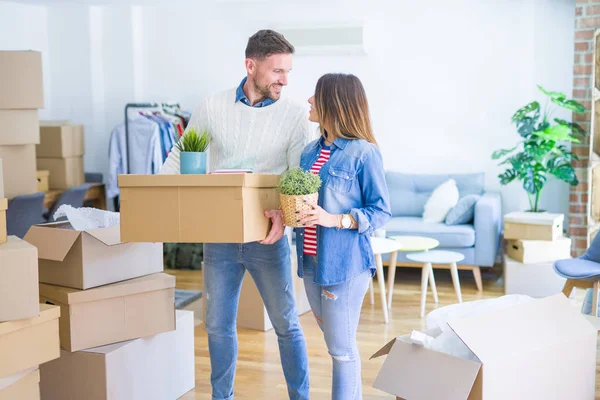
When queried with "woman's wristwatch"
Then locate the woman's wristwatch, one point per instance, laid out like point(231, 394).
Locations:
point(346, 221)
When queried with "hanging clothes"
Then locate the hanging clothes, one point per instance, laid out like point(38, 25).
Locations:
point(145, 150)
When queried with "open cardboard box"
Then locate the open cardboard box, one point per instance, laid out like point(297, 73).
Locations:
point(218, 208)
point(27, 343)
point(156, 367)
point(23, 385)
point(87, 259)
point(543, 349)
point(113, 313)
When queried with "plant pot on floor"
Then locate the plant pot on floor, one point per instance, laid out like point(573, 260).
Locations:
point(192, 163)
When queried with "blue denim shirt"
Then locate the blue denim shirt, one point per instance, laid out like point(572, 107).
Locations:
point(240, 96)
point(353, 182)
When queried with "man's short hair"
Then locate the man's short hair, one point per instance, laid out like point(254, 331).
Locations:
point(267, 42)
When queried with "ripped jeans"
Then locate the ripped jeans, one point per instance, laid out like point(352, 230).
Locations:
point(337, 310)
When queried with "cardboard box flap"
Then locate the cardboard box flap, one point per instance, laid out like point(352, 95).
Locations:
point(384, 350)
point(3, 202)
point(209, 180)
point(55, 249)
point(149, 283)
point(47, 313)
point(12, 379)
point(417, 373)
point(542, 218)
point(522, 328)
point(109, 236)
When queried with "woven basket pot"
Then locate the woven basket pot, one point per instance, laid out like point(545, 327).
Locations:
point(291, 204)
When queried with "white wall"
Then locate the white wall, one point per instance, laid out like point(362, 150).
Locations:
point(443, 78)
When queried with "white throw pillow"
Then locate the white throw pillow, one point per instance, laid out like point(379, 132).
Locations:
point(441, 201)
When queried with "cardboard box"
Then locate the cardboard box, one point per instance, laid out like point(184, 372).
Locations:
point(539, 251)
point(113, 313)
point(3, 208)
point(43, 180)
point(226, 208)
point(26, 343)
point(535, 280)
point(19, 127)
point(18, 280)
point(60, 141)
point(21, 83)
point(157, 367)
point(21, 386)
point(65, 173)
point(19, 170)
point(87, 259)
point(522, 350)
point(533, 226)
point(1, 180)
point(252, 313)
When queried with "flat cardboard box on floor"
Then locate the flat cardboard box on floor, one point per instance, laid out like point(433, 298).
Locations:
point(19, 170)
point(543, 349)
point(533, 226)
point(113, 313)
point(65, 173)
point(539, 251)
point(87, 259)
point(19, 127)
point(21, 386)
point(18, 280)
point(157, 367)
point(209, 208)
point(3, 208)
point(26, 343)
point(21, 82)
point(60, 141)
point(43, 180)
point(535, 280)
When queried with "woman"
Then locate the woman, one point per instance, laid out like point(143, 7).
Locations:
point(334, 246)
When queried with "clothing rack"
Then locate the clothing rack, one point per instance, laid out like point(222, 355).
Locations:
point(140, 105)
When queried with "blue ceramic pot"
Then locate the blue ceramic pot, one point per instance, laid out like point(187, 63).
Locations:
point(192, 163)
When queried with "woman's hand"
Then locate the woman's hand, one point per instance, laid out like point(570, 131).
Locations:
point(317, 216)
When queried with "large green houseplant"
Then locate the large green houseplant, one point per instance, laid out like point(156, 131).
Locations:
point(541, 150)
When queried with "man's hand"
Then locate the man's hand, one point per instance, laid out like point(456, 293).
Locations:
point(277, 228)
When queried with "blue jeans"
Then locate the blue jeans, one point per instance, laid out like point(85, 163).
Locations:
point(270, 267)
point(337, 310)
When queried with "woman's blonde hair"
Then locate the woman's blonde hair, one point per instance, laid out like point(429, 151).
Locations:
point(341, 105)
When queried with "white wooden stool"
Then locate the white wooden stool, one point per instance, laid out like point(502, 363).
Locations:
point(437, 257)
point(383, 246)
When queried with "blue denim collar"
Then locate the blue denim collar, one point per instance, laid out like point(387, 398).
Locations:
point(340, 143)
point(241, 96)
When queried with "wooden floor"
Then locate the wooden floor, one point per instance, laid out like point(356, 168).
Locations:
point(259, 374)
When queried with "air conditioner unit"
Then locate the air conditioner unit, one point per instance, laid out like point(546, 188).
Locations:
point(326, 40)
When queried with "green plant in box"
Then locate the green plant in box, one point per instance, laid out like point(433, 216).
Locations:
point(539, 152)
point(296, 187)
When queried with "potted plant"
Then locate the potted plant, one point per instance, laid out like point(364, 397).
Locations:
point(192, 148)
point(295, 187)
point(541, 150)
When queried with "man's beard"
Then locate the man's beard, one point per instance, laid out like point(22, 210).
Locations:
point(265, 92)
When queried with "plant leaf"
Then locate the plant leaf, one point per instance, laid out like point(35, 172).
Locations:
point(557, 133)
point(534, 178)
point(553, 95)
point(574, 126)
point(563, 171)
point(523, 111)
point(574, 106)
point(507, 176)
point(501, 153)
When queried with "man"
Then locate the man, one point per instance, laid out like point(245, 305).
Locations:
point(253, 127)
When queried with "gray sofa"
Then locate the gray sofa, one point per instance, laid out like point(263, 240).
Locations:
point(479, 240)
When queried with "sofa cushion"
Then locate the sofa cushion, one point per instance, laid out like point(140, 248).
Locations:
point(464, 211)
point(409, 192)
point(441, 201)
point(447, 235)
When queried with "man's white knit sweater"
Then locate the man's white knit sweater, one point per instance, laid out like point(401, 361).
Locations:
point(268, 140)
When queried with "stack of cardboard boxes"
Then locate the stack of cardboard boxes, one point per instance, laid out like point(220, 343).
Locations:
point(533, 242)
point(29, 333)
point(60, 153)
point(120, 335)
point(21, 95)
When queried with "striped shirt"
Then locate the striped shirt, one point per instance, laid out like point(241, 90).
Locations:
point(310, 232)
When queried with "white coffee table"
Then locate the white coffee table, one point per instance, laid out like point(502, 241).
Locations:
point(437, 257)
point(383, 246)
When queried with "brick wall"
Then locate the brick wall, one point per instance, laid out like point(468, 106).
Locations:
point(587, 20)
